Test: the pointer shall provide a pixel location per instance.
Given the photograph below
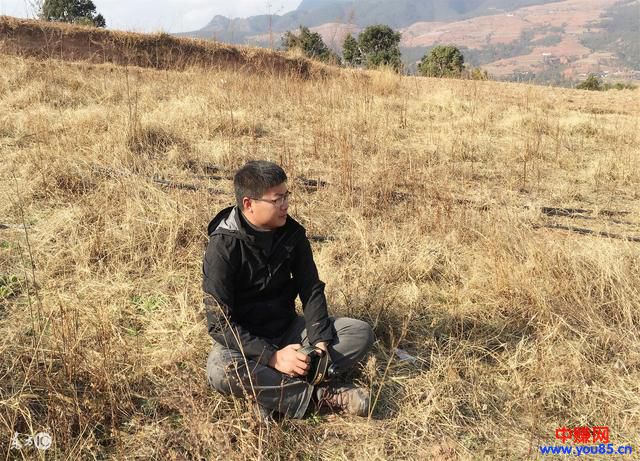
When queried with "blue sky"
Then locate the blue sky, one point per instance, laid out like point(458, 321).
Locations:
point(164, 15)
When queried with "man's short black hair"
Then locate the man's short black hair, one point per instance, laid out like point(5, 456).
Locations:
point(255, 177)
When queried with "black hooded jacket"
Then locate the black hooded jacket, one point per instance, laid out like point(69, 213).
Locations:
point(250, 296)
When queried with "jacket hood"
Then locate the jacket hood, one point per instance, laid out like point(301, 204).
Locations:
point(226, 219)
point(229, 222)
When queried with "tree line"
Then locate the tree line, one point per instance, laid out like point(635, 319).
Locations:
point(379, 45)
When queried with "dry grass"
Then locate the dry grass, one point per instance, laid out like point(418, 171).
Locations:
point(433, 195)
point(44, 40)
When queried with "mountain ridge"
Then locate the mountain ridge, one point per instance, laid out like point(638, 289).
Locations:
point(559, 39)
point(397, 14)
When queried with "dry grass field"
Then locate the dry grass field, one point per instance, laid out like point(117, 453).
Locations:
point(443, 212)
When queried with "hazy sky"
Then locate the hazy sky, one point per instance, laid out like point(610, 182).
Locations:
point(165, 15)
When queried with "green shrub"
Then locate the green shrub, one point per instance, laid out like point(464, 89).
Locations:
point(376, 46)
point(592, 83)
point(310, 43)
point(351, 53)
point(619, 86)
point(442, 61)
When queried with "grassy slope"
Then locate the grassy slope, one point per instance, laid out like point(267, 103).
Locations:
point(433, 197)
point(45, 40)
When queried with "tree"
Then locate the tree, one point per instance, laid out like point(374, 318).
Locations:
point(442, 61)
point(351, 51)
point(75, 11)
point(591, 83)
point(380, 45)
point(310, 43)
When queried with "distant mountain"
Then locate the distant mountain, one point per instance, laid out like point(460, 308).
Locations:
point(308, 5)
point(549, 39)
point(395, 13)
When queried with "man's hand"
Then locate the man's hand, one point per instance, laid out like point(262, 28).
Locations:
point(290, 362)
point(322, 345)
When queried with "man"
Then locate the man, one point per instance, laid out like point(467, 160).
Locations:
point(257, 261)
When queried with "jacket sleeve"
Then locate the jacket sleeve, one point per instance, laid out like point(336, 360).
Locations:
point(219, 270)
point(311, 291)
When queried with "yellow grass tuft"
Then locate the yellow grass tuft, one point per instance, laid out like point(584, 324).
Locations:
point(385, 81)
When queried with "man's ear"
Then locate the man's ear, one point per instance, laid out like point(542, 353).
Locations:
point(246, 204)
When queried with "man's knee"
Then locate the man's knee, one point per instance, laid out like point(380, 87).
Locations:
point(366, 332)
point(222, 370)
point(359, 332)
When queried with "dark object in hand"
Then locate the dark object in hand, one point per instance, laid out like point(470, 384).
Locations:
point(321, 367)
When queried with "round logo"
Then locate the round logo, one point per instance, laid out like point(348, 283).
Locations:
point(42, 440)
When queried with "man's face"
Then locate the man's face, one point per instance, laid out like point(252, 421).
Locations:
point(264, 212)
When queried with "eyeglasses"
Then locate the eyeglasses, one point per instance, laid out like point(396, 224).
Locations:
point(276, 201)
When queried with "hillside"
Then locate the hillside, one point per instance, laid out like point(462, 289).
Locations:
point(490, 230)
point(550, 40)
point(44, 40)
point(536, 39)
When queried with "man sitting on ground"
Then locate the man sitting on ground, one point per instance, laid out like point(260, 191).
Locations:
point(257, 262)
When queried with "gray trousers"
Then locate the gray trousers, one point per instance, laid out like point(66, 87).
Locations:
point(231, 373)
